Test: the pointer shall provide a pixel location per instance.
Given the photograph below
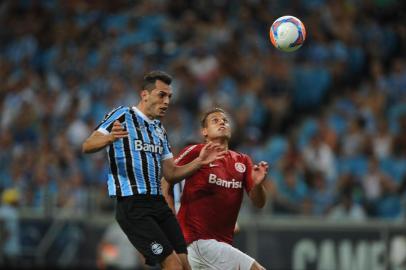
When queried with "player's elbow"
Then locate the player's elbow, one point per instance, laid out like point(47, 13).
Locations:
point(172, 174)
point(86, 147)
point(172, 179)
point(169, 176)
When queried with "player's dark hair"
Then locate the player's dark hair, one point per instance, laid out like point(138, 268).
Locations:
point(206, 114)
point(151, 77)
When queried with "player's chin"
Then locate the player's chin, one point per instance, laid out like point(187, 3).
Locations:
point(161, 113)
point(226, 133)
point(224, 136)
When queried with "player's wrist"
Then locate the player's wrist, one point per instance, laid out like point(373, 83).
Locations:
point(259, 185)
point(110, 138)
point(199, 162)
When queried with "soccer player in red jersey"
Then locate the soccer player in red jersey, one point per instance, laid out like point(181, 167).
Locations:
point(212, 197)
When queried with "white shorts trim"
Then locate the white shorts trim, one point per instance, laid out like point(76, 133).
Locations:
point(214, 255)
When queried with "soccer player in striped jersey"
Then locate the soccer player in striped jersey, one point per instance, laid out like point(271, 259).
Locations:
point(139, 155)
point(212, 197)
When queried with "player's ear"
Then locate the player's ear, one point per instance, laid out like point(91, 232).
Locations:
point(204, 132)
point(144, 94)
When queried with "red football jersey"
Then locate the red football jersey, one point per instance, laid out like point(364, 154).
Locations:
point(212, 196)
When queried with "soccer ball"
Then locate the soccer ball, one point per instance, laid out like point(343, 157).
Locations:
point(287, 33)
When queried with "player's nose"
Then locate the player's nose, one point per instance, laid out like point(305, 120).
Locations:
point(166, 101)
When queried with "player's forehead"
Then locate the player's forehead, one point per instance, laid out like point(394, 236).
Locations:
point(160, 86)
point(217, 115)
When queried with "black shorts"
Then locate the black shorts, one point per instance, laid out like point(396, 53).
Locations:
point(151, 226)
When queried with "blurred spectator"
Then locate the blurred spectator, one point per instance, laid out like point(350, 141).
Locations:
point(376, 185)
point(73, 197)
point(322, 195)
point(328, 134)
point(291, 191)
point(10, 231)
point(347, 210)
point(382, 142)
point(353, 141)
point(319, 157)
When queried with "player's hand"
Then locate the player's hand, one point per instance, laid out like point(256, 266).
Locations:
point(259, 172)
point(211, 152)
point(118, 131)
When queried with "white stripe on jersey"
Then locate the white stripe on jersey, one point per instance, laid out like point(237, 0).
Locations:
point(185, 153)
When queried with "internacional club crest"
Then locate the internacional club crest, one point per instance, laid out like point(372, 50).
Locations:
point(239, 167)
point(156, 248)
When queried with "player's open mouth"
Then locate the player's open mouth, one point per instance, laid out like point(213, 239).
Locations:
point(163, 110)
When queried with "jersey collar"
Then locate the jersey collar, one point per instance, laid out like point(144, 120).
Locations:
point(146, 118)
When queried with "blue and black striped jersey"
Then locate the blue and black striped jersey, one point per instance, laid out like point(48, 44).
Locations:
point(135, 161)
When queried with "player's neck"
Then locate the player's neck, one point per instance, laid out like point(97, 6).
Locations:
point(222, 141)
point(141, 106)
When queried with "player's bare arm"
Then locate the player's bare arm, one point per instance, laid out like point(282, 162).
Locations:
point(167, 192)
point(258, 192)
point(209, 153)
point(98, 140)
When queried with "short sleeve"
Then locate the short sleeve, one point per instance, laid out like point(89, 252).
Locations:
point(167, 152)
point(188, 154)
point(106, 125)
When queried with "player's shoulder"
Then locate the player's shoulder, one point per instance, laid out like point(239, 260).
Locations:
point(193, 147)
point(119, 109)
point(239, 155)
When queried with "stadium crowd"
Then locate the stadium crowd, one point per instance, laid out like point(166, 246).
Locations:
point(329, 118)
